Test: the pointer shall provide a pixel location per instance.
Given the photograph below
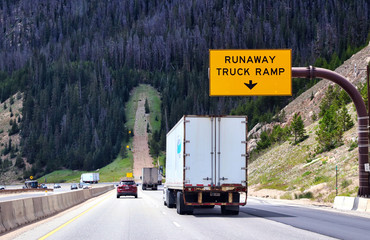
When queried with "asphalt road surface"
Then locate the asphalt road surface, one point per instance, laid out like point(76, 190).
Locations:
point(107, 217)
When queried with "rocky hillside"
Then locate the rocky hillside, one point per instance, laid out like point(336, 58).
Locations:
point(10, 118)
point(295, 171)
point(352, 69)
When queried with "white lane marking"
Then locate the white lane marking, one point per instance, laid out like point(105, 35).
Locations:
point(176, 224)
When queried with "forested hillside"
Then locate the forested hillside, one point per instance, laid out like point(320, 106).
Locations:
point(76, 62)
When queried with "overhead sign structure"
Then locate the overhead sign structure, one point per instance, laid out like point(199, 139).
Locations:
point(250, 72)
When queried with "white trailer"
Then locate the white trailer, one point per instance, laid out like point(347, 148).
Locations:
point(149, 178)
point(206, 163)
point(89, 178)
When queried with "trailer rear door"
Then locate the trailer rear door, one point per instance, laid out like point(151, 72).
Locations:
point(232, 148)
point(215, 150)
point(198, 151)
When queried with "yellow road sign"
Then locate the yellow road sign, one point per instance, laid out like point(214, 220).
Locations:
point(129, 174)
point(31, 177)
point(250, 72)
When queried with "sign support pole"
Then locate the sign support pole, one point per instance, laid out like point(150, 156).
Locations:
point(336, 180)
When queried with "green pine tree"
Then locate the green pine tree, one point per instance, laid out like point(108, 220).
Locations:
point(264, 142)
point(344, 119)
point(297, 128)
point(330, 133)
point(19, 163)
point(146, 106)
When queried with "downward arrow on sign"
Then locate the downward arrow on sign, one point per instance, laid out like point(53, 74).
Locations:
point(250, 85)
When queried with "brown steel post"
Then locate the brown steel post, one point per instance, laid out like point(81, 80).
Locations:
point(336, 180)
point(368, 89)
point(311, 72)
point(368, 108)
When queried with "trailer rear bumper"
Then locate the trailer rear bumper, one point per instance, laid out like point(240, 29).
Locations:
point(212, 198)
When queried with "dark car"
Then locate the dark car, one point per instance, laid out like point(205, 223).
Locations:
point(43, 186)
point(57, 185)
point(2, 187)
point(127, 188)
point(31, 184)
point(74, 186)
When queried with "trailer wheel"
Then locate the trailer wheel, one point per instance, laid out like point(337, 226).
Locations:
point(170, 198)
point(180, 205)
point(154, 188)
point(230, 210)
point(144, 187)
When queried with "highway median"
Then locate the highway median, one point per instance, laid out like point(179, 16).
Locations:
point(16, 213)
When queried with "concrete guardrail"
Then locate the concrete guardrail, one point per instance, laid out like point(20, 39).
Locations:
point(12, 191)
point(352, 203)
point(19, 212)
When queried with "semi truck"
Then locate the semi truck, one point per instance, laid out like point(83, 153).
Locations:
point(89, 178)
point(149, 178)
point(206, 164)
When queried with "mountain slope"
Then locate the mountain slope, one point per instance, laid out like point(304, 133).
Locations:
point(353, 69)
point(290, 171)
point(77, 61)
point(10, 118)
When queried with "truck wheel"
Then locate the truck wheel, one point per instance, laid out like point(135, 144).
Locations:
point(154, 188)
point(144, 187)
point(230, 210)
point(180, 205)
point(170, 198)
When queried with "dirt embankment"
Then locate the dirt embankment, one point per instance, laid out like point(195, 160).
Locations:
point(140, 144)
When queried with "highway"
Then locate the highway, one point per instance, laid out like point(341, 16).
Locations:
point(107, 217)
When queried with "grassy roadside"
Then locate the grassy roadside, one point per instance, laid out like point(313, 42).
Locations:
point(110, 173)
point(61, 176)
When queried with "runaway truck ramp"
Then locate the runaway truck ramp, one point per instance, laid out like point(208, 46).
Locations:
point(14, 214)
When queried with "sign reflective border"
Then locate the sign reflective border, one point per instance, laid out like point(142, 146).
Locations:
point(250, 72)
